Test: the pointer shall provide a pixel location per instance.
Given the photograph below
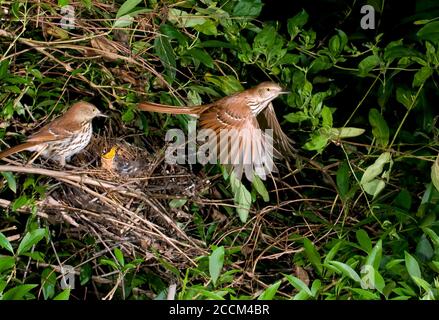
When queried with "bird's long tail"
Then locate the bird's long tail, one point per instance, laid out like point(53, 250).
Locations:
point(162, 108)
point(20, 147)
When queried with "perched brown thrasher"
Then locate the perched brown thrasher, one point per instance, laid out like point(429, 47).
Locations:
point(249, 149)
point(63, 137)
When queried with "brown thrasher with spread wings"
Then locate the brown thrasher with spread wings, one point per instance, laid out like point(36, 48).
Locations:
point(251, 150)
point(63, 137)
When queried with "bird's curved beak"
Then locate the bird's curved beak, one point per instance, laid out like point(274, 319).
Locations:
point(284, 91)
point(100, 114)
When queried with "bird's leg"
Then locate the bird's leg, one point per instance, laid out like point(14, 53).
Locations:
point(62, 161)
point(37, 154)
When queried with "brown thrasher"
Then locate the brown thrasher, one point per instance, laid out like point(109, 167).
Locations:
point(63, 137)
point(251, 149)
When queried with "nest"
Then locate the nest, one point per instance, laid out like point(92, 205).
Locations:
point(121, 196)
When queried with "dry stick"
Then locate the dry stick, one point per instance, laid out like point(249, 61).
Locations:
point(40, 45)
point(108, 201)
point(98, 183)
point(74, 180)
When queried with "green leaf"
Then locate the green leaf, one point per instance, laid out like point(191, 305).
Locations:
point(298, 284)
point(424, 285)
point(326, 117)
point(228, 84)
point(374, 257)
point(320, 63)
point(166, 54)
point(270, 292)
point(119, 256)
point(123, 21)
point(376, 168)
point(345, 270)
point(30, 239)
point(10, 179)
point(331, 254)
point(403, 96)
point(18, 292)
point(318, 142)
point(399, 51)
point(6, 263)
point(312, 255)
point(20, 202)
point(371, 279)
point(429, 32)
point(109, 262)
point(424, 249)
point(201, 56)
point(247, 8)
point(242, 197)
point(63, 295)
point(85, 274)
point(63, 3)
point(412, 265)
point(435, 173)
point(126, 7)
point(172, 33)
point(183, 19)
point(296, 117)
point(433, 236)
point(295, 23)
point(216, 262)
point(342, 179)
point(177, 203)
point(367, 64)
point(380, 129)
point(345, 132)
point(365, 294)
point(4, 67)
point(128, 115)
point(5, 244)
point(48, 283)
point(364, 240)
point(421, 76)
point(208, 28)
point(260, 188)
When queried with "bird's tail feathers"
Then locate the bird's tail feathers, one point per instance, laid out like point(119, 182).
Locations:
point(20, 147)
point(162, 108)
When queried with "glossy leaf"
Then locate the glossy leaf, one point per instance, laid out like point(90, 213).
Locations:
point(364, 240)
point(298, 284)
point(30, 239)
point(216, 262)
point(126, 7)
point(270, 292)
point(435, 173)
point(380, 129)
point(12, 184)
point(63, 295)
point(412, 265)
point(429, 32)
point(5, 244)
point(345, 270)
point(166, 54)
point(259, 186)
point(312, 254)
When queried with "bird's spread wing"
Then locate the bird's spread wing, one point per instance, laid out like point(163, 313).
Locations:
point(283, 143)
point(239, 140)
